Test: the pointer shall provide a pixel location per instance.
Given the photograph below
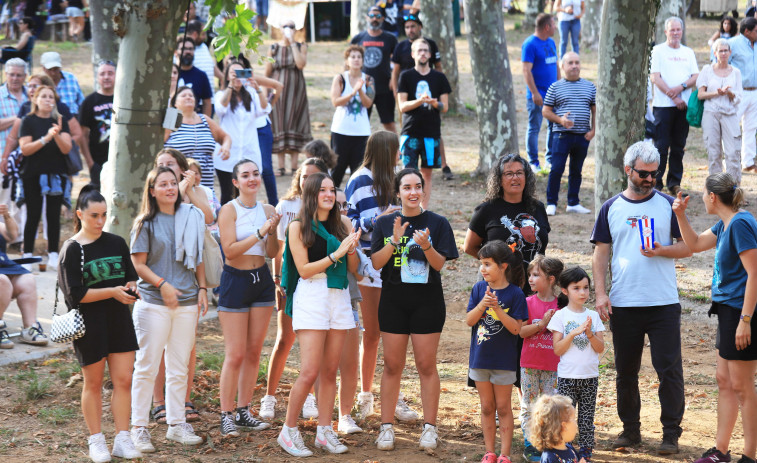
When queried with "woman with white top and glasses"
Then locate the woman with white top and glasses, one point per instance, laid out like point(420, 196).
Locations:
point(166, 250)
point(247, 295)
point(569, 14)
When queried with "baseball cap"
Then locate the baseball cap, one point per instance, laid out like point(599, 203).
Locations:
point(374, 8)
point(413, 17)
point(50, 59)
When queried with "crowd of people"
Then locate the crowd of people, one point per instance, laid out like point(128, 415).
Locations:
point(360, 268)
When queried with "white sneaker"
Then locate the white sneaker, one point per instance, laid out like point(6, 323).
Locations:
point(385, 440)
point(551, 209)
point(429, 437)
point(34, 335)
point(98, 449)
point(27, 266)
point(309, 408)
point(123, 447)
point(364, 405)
point(52, 260)
point(402, 411)
point(578, 209)
point(326, 439)
point(291, 441)
point(267, 407)
point(347, 425)
point(141, 438)
point(183, 433)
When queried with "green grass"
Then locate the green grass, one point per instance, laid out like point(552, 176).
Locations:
point(68, 370)
point(57, 415)
point(211, 360)
point(34, 387)
point(263, 369)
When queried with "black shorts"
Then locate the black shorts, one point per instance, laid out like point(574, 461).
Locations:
point(728, 320)
point(384, 104)
point(411, 309)
point(242, 289)
point(109, 331)
point(425, 151)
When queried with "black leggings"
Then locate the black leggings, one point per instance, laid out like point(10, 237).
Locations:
point(224, 179)
point(33, 198)
point(349, 150)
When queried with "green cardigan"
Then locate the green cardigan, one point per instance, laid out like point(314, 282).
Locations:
point(336, 275)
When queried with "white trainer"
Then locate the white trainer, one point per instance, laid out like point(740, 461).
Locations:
point(429, 437)
point(326, 439)
point(347, 425)
point(551, 209)
point(291, 441)
point(577, 209)
point(309, 408)
point(183, 433)
point(402, 411)
point(267, 407)
point(98, 449)
point(140, 436)
point(123, 447)
point(52, 260)
point(385, 440)
point(364, 405)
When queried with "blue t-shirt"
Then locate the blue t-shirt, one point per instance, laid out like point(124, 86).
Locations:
point(492, 346)
point(543, 55)
point(729, 276)
point(198, 81)
point(559, 456)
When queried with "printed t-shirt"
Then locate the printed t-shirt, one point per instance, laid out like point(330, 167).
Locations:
point(378, 51)
point(95, 113)
point(538, 351)
point(404, 57)
point(580, 361)
point(424, 121)
point(288, 208)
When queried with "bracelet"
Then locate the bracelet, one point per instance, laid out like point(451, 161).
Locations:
point(259, 236)
point(589, 337)
point(331, 258)
point(202, 287)
point(351, 253)
point(161, 283)
point(277, 276)
point(42, 140)
point(429, 247)
point(391, 241)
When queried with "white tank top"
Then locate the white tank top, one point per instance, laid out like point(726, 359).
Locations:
point(249, 221)
point(351, 119)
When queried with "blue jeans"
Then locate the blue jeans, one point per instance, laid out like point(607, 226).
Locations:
point(572, 27)
point(532, 134)
point(265, 138)
point(564, 145)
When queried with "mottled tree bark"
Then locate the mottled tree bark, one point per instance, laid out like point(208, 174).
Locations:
point(104, 41)
point(591, 25)
point(148, 31)
point(495, 99)
point(533, 8)
point(627, 27)
point(437, 25)
point(667, 9)
point(359, 8)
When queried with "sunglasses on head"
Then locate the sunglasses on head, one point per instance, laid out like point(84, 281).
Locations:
point(410, 17)
point(375, 15)
point(646, 173)
point(288, 26)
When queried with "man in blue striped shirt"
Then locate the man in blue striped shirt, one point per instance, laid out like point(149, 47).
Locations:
point(570, 104)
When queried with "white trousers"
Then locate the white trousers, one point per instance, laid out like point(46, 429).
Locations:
point(748, 116)
point(159, 328)
point(722, 138)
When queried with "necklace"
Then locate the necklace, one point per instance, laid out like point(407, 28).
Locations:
point(239, 200)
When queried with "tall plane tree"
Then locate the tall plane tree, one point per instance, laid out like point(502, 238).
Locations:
point(105, 42)
point(627, 27)
point(667, 9)
point(495, 99)
point(437, 24)
point(591, 25)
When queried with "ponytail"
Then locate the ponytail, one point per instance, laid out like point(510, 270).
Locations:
point(502, 253)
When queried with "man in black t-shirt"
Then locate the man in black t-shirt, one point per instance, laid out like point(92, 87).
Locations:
point(193, 77)
point(422, 94)
point(390, 9)
point(95, 118)
point(379, 45)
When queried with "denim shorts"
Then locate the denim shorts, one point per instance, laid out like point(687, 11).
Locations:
point(242, 289)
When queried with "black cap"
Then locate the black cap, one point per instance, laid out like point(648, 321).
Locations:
point(413, 17)
point(374, 7)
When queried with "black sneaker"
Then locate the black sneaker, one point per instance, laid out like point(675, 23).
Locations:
point(668, 446)
point(447, 172)
point(228, 428)
point(627, 439)
point(746, 459)
point(244, 420)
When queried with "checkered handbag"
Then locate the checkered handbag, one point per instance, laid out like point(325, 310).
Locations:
point(69, 326)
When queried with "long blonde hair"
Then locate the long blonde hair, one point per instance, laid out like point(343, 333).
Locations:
point(54, 114)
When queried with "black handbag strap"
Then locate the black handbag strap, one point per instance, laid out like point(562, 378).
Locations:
point(55, 306)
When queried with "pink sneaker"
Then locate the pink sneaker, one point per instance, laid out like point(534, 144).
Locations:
point(504, 459)
point(489, 457)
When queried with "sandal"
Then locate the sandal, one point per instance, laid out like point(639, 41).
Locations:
point(159, 414)
point(190, 412)
point(282, 172)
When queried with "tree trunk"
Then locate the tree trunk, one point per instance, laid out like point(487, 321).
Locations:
point(437, 25)
point(627, 27)
point(359, 8)
point(533, 8)
point(667, 9)
point(495, 99)
point(104, 40)
point(148, 31)
point(591, 25)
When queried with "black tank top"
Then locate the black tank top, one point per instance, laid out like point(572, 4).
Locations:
point(318, 250)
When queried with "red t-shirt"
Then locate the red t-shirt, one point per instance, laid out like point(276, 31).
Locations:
point(537, 349)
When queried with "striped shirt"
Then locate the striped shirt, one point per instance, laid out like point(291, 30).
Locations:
point(196, 141)
point(576, 97)
point(363, 206)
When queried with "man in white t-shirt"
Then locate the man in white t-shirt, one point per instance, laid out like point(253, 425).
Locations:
point(636, 235)
point(673, 72)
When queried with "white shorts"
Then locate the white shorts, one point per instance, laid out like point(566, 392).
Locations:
point(315, 306)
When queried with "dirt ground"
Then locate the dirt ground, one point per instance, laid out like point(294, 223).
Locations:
point(39, 401)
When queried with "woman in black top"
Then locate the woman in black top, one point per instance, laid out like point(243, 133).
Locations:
point(44, 141)
point(96, 274)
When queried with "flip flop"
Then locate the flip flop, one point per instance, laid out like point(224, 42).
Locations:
point(159, 414)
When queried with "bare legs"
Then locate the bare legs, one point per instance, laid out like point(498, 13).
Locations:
point(736, 390)
point(121, 366)
point(348, 366)
point(496, 398)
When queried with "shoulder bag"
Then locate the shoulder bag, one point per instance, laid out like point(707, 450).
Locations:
point(70, 326)
point(211, 257)
point(695, 109)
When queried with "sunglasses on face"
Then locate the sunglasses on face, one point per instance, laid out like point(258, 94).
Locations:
point(344, 206)
point(375, 15)
point(646, 173)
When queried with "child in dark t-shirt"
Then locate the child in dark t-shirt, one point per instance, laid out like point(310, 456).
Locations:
point(553, 426)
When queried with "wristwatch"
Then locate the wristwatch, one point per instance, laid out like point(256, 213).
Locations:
point(746, 319)
point(683, 85)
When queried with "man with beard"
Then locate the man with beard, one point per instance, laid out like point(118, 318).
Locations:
point(379, 45)
point(192, 77)
point(204, 56)
point(639, 227)
point(95, 117)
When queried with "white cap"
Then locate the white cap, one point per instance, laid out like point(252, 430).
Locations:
point(50, 59)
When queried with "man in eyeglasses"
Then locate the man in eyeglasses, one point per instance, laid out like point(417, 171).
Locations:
point(636, 235)
point(379, 45)
point(95, 117)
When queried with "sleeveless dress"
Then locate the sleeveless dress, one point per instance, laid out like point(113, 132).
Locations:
point(290, 118)
point(196, 141)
